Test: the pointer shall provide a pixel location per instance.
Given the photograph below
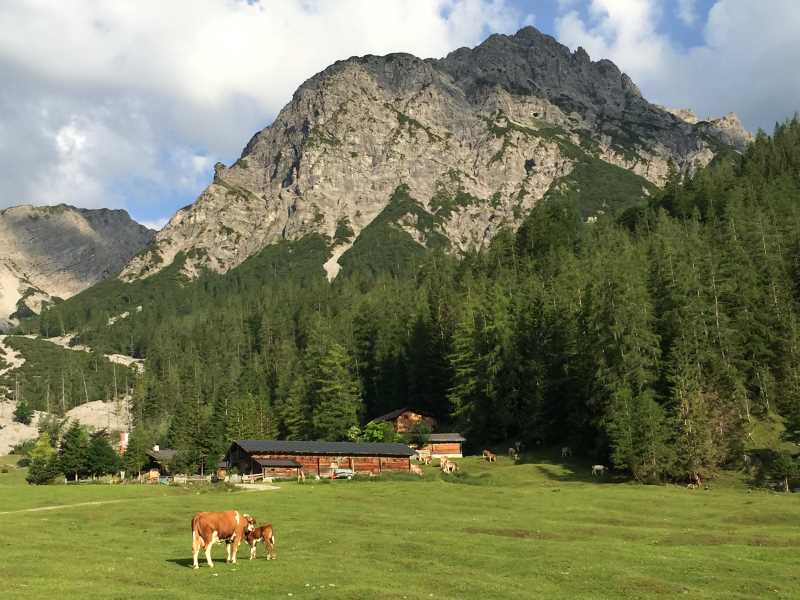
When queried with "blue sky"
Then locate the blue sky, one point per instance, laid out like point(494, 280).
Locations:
point(129, 105)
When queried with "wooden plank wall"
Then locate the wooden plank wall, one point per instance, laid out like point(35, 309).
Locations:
point(314, 464)
point(448, 448)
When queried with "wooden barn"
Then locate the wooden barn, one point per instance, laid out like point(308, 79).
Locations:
point(444, 444)
point(405, 419)
point(285, 458)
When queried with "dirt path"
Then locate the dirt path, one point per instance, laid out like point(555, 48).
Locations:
point(61, 506)
point(256, 487)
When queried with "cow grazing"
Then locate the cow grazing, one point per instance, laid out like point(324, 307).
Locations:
point(599, 470)
point(513, 454)
point(209, 528)
point(416, 470)
point(447, 465)
point(489, 456)
point(264, 534)
point(566, 451)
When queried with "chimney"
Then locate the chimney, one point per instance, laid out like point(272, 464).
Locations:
point(123, 441)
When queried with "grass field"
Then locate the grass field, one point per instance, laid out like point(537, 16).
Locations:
point(535, 530)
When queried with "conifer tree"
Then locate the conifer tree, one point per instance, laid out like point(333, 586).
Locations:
point(101, 459)
point(72, 454)
point(43, 467)
point(339, 398)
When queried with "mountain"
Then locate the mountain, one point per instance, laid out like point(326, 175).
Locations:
point(466, 145)
point(53, 252)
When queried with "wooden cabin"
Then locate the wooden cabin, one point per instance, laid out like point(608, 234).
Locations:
point(405, 419)
point(158, 461)
point(444, 444)
point(274, 458)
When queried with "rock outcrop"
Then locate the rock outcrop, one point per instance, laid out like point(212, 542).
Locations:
point(477, 137)
point(50, 252)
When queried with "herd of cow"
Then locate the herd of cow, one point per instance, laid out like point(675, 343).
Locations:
point(230, 527)
point(233, 527)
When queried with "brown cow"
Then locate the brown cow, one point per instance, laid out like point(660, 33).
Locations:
point(209, 528)
point(265, 534)
point(489, 456)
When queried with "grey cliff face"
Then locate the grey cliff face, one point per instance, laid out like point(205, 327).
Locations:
point(478, 137)
point(58, 251)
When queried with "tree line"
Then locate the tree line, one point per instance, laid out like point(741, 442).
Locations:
point(656, 339)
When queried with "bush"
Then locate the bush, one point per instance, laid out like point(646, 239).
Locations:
point(23, 413)
point(419, 434)
point(44, 462)
point(24, 448)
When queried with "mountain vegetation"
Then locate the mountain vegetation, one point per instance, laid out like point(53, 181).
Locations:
point(657, 337)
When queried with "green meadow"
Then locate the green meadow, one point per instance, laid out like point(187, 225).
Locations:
point(533, 530)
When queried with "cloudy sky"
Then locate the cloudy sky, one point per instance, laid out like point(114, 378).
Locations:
point(129, 104)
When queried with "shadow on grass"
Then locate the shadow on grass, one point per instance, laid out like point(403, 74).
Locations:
point(184, 562)
point(581, 473)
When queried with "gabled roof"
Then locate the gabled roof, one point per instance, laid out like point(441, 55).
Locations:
point(446, 437)
point(311, 447)
point(162, 456)
point(391, 416)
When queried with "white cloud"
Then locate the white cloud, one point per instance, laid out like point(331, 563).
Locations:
point(747, 64)
point(103, 94)
point(687, 11)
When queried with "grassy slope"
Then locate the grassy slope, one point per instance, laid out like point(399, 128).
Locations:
point(594, 185)
point(382, 246)
point(531, 530)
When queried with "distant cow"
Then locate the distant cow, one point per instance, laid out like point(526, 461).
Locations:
point(447, 465)
point(264, 534)
point(489, 456)
point(566, 451)
point(513, 454)
point(599, 470)
point(209, 528)
point(416, 470)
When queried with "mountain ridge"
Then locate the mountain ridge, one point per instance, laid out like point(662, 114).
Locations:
point(485, 132)
point(49, 253)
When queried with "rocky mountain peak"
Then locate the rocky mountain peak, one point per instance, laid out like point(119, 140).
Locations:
point(476, 139)
point(49, 252)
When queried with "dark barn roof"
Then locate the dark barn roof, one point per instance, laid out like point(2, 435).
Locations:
point(391, 416)
point(162, 456)
point(310, 447)
point(446, 437)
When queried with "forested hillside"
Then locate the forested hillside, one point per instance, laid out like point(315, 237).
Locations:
point(657, 337)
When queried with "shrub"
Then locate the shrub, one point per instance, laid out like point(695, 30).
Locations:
point(44, 463)
point(23, 413)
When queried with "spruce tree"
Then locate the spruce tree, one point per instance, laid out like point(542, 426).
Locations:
point(23, 413)
point(339, 399)
point(101, 459)
point(72, 455)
